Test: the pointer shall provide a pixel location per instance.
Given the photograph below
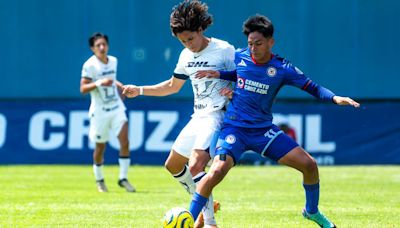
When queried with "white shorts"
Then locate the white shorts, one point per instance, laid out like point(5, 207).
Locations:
point(101, 124)
point(198, 134)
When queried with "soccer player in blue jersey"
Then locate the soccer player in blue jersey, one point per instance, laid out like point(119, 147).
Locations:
point(248, 123)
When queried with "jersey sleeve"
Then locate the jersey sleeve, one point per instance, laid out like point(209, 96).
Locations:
point(116, 67)
point(296, 77)
point(87, 71)
point(229, 58)
point(180, 71)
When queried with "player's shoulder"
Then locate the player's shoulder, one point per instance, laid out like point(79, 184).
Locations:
point(185, 54)
point(112, 58)
point(221, 43)
point(282, 61)
point(242, 53)
point(90, 61)
point(285, 64)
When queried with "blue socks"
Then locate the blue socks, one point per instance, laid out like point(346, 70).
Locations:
point(198, 202)
point(312, 197)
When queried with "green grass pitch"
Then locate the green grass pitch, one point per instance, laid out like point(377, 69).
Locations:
point(262, 196)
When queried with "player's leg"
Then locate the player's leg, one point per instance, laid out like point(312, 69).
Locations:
point(197, 163)
point(206, 135)
point(124, 159)
point(98, 133)
point(284, 150)
point(299, 159)
point(221, 165)
point(176, 165)
point(98, 163)
point(230, 146)
point(178, 158)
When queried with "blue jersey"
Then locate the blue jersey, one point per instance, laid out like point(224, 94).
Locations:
point(257, 86)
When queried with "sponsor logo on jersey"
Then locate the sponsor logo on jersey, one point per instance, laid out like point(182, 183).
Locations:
point(200, 106)
point(271, 71)
point(242, 63)
point(108, 72)
point(199, 64)
point(240, 82)
point(253, 86)
point(230, 139)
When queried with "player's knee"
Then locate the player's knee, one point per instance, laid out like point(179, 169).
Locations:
point(172, 167)
point(311, 166)
point(168, 165)
point(196, 168)
point(217, 174)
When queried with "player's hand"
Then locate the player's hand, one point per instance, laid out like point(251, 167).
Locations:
point(345, 101)
point(106, 82)
point(207, 74)
point(226, 92)
point(131, 91)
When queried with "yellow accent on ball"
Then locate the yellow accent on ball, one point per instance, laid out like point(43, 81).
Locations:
point(178, 217)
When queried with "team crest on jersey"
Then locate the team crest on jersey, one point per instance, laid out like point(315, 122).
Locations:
point(271, 71)
point(231, 139)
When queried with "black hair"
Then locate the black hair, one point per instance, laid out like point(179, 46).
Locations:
point(96, 36)
point(258, 23)
point(190, 15)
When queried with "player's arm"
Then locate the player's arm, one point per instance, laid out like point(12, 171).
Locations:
point(87, 84)
point(165, 88)
point(119, 85)
point(222, 74)
point(120, 88)
point(326, 95)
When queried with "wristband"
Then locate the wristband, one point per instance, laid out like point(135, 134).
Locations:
point(97, 83)
point(141, 90)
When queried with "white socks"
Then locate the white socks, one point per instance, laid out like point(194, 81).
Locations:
point(124, 164)
point(98, 172)
point(185, 179)
point(189, 183)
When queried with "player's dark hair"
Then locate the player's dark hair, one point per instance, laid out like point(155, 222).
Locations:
point(96, 36)
point(258, 23)
point(189, 15)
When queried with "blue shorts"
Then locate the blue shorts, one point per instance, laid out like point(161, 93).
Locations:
point(270, 142)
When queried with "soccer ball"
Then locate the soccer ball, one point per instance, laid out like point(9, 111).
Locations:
point(178, 217)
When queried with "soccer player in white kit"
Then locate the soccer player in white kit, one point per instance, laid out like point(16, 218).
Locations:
point(107, 111)
point(188, 21)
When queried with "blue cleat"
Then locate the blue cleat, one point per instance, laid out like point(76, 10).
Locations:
point(318, 218)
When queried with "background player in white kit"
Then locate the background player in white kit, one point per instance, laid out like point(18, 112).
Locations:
point(107, 111)
point(188, 21)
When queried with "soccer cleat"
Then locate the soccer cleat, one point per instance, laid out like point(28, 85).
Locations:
point(318, 218)
point(124, 183)
point(101, 186)
point(200, 219)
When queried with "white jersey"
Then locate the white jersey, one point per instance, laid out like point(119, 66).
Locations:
point(218, 55)
point(104, 98)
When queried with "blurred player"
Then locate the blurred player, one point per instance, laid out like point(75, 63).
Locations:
point(188, 21)
point(248, 124)
point(107, 111)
